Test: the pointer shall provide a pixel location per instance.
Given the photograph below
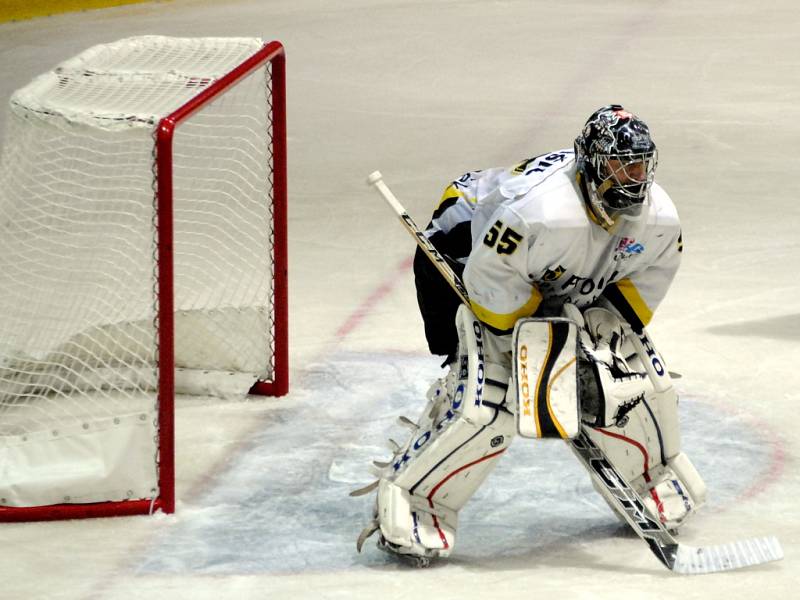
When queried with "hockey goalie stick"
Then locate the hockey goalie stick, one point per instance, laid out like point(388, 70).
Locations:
point(679, 558)
point(376, 179)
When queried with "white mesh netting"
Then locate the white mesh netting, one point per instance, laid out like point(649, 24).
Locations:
point(79, 283)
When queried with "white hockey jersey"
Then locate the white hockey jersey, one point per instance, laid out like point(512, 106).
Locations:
point(536, 245)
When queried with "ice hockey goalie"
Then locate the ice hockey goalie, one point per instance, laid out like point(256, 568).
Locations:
point(564, 258)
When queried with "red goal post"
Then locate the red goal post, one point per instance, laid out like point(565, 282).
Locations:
point(33, 381)
point(271, 52)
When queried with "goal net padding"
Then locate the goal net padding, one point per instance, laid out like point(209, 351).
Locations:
point(142, 254)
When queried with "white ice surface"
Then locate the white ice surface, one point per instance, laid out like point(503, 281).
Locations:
point(424, 91)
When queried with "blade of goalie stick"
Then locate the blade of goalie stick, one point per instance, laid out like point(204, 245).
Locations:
point(727, 557)
point(679, 558)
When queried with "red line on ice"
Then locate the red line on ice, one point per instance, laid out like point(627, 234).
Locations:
point(771, 438)
point(366, 307)
point(643, 450)
point(772, 474)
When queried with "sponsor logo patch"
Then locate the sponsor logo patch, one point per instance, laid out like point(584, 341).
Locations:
point(553, 274)
point(628, 247)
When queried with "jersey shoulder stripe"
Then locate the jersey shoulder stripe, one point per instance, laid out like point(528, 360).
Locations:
point(624, 296)
point(505, 322)
point(447, 202)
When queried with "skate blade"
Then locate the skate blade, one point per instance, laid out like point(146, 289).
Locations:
point(366, 532)
point(365, 490)
point(413, 560)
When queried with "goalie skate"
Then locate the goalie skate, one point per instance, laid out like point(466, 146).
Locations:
point(416, 557)
point(414, 560)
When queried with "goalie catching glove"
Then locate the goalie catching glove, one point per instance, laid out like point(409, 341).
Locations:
point(610, 388)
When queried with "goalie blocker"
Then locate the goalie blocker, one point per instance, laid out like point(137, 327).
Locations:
point(590, 368)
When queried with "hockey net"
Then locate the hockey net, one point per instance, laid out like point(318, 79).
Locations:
point(142, 251)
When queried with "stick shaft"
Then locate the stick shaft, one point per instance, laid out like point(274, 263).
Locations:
point(422, 241)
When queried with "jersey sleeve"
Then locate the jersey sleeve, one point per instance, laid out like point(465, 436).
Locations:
point(637, 296)
point(450, 228)
point(496, 275)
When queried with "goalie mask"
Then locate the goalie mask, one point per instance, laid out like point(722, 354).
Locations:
point(617, 159)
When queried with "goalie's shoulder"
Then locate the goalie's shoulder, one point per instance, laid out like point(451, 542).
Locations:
point(540, 176)
point(662, 210)
point(554, 202)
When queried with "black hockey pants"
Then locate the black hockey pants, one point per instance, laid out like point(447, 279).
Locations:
point(438, 304)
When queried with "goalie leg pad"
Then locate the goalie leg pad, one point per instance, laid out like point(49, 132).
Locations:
point(646, 452)
point(670, 485)
point(673, 492)
point(483, 377)
point(473, 390)
point(419, 502)
point(641, 444)
point(629, 397)
point(464, 428)
point(410, 527)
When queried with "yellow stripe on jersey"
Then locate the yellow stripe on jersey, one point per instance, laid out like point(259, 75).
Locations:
point(505, 322)
point(453, 192)
point(635, 300)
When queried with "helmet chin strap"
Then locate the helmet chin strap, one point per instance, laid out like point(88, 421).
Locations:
point(594, 195)
point(597, 202)
point(613, 222)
